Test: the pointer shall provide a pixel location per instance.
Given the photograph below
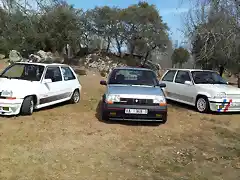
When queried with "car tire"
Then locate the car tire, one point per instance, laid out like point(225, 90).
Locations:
point(164, 120)
point(75, 97)
point(27, 106)
point(202, 104)
point(104, 115)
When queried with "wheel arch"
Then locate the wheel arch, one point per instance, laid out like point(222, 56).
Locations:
point(202, 94)
point(35, 98)
point(77, 89)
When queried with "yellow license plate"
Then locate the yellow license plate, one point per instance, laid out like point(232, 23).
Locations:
point(5, 108)
point(220, 106)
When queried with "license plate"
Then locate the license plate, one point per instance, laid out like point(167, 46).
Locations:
point(136, 111)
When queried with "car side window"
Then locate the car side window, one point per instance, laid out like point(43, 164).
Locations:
point(169, 76)
point(54, 74)
point(182, 76)
point(67, 74)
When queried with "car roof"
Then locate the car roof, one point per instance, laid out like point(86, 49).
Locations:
point(189, 69)
point(132, 68)
point(43, 64)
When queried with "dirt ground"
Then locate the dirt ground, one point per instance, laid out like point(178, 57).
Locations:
point(68, 142)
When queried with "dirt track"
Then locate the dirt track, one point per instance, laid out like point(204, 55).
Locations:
point(68, 142)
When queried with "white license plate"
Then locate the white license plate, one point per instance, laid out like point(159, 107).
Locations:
point(136, 111)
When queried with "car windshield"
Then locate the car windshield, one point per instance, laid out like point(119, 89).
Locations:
point(30, 72)
point(207, 77)
point(133, 77)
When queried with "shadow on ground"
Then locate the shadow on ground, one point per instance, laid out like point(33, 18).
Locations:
point(180, 105)
point(123, 122)
point(53, 106)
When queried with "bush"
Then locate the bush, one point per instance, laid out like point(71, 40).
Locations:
point(103, 73)
point(81, 72)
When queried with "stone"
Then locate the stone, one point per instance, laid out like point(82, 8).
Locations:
point(2, 56)
point(14, 56)
point(42, 54)
point(34, 58)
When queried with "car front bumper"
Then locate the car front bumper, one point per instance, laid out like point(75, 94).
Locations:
point(225, 105)
point(10, 107)
point(117, 112)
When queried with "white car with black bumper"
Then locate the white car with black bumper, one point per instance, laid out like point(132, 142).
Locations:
point(28, 86)
point(204, 89)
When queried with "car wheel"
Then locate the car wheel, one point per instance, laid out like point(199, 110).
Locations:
point(104, 115)
point(164, 119)
point(202, 104)
point(75, 97)
point(27, 106)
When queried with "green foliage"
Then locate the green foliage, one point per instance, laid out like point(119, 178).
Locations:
point(216, 38)
point(139, 27)
point(180, 56)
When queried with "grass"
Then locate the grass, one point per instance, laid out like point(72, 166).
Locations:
point(69, 142)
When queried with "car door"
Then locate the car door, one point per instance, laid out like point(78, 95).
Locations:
point(184, 92)
point(168, 78)
point(52, 92)
point(70, 80)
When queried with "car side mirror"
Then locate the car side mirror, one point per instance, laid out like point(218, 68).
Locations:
point(162, 85)
point(45, 81)
point(102, 82)
point(188, 83)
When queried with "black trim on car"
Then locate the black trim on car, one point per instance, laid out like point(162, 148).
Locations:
point(117, 112)
point(54, 98)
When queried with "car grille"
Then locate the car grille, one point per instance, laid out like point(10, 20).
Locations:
point(131, 101)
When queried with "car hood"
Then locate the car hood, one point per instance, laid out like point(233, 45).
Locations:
point(128, 89)
point(228, 89)
point(15, 84)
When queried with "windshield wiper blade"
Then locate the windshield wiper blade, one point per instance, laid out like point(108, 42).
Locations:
point(219, 83)
point(3, 76)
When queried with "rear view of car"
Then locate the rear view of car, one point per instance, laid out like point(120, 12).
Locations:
point(133, 94)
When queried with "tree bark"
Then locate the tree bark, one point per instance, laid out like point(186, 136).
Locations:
point(239, 80)
point(108, 44)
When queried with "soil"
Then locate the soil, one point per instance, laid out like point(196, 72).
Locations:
point(68, 142)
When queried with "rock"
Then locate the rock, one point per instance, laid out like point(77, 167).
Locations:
point(14, 56)
point(47, 57)
point(42, 54)
point(34, 58)
point(2, 56)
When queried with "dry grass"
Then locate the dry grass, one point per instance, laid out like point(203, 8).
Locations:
point(68, 142)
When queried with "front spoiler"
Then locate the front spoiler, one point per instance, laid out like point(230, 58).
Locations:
point(117, 112)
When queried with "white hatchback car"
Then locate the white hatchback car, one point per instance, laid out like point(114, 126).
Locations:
point(28, 86)
point(204, 89)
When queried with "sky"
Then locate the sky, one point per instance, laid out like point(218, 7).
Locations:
point(172, 12)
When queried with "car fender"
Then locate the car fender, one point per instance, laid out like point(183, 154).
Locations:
point(203, 93)
point(22, 93)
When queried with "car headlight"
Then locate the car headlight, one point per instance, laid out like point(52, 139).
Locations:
point(159, 100)
point(113, 98)
point(220, 95)
point(7, 93)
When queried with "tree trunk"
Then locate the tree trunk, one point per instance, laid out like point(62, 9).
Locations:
point(145, 58)
point(180, 65)
point(108, 44)
point(239, 80)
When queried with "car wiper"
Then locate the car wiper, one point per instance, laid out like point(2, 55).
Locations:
point(3, 76)
point(218, 82)
point(144, 85)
